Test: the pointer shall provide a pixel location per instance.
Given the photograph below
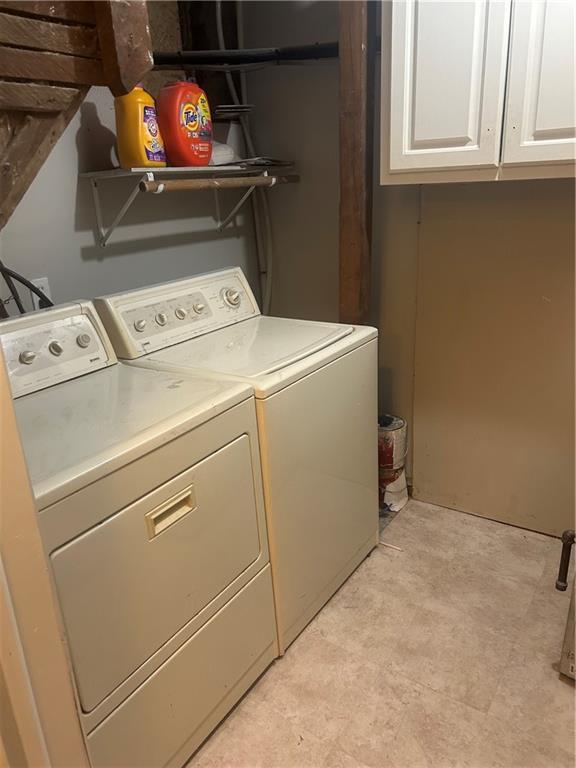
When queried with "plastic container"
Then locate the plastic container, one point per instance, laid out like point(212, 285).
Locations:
point(140, 143)
point(186, 124)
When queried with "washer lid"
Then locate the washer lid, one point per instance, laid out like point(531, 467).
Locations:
point(254, 347)
point(80, 430)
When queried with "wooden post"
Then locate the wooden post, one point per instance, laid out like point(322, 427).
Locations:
point(357, 47)
point(125, 43)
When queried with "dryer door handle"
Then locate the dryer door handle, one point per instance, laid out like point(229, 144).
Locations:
point(164, 515)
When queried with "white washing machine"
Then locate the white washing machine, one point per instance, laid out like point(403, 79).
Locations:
point(151, 511)
point(316, 402)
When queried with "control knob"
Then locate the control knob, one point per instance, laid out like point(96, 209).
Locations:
point(180, 313)
point(56, 348)
point(199, 307)
point(231, 297)
point(27, 357)
point(161, 318)
point(139, 325)
point(83, 340)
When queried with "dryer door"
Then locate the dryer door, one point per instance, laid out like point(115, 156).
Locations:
point(130, 583)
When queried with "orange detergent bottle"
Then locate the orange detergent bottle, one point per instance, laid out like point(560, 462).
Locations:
point(140, 143)
point(185, 122)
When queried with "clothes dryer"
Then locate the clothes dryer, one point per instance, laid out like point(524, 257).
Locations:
point(151, 511)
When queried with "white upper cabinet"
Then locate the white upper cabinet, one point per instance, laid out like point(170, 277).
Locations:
point(448, 70)
point(476, 90)
point(540, 123)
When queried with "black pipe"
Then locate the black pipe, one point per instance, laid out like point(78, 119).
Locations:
point(567, 541)
point(180, 59)
point(12, 288)
point(44, 300)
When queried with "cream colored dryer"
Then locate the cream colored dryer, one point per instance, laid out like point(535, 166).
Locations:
point(151, 511)
point(315, 388)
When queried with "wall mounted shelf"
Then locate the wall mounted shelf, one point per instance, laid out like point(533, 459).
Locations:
point(162, 180)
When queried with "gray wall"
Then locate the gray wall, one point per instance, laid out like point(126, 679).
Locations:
point(51, 233)
point(296, 117)
point(162, 237)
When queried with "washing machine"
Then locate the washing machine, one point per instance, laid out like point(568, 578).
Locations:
point(150, 507)
point(316, 401)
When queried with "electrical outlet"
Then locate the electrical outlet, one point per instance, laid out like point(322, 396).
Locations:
point(44, 285)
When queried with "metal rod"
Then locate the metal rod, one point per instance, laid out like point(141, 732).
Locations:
point(180, 185)
point(246, 55)
point(97, 209)
point(217, 204)
point(567, 542)
point(236, 208)
point(105, 236)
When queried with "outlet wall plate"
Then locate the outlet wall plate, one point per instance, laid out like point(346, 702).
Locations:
point(44, 285)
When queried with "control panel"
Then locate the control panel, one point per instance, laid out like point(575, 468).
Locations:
point(54, 345)
point(148, 319)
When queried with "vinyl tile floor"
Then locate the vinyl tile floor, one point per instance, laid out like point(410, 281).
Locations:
point(440, 651)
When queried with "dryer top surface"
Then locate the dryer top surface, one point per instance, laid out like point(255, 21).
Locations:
point(79, 430)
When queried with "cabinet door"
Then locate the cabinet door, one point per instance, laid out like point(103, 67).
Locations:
point(540, 106)
point(447, 74)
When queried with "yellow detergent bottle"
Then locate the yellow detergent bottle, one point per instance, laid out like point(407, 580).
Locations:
point(140, 143)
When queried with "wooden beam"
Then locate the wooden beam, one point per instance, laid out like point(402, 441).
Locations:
point(357, 62)
point(73, 11)
point(54, 67)
point(24, 32)
point(234, 182)
point(125, 43)
point(32, 97)
point(24, 146)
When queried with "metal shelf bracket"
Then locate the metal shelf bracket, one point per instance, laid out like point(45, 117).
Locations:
point(223, 223)
point(166, 180)
point(104, 234)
